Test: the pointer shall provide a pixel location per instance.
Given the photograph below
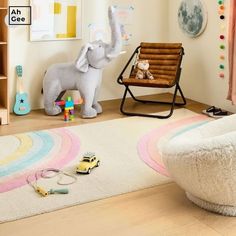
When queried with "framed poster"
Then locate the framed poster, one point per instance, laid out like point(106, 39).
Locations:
point(192, 17)
point(56, 20)
point(125, 16)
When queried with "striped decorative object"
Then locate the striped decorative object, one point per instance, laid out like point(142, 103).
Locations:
point(164, 60)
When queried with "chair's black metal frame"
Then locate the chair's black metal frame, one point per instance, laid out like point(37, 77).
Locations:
point(127, 90)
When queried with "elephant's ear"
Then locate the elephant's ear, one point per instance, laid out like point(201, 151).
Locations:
point(82, 63)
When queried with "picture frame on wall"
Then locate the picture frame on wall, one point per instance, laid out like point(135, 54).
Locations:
point(56, 20)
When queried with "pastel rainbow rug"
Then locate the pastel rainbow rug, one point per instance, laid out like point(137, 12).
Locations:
point(122, 145)
point(23, 154)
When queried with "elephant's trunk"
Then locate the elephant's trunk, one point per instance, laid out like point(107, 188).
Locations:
point(116, 39)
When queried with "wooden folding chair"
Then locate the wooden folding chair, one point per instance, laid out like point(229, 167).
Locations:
point(165, 65)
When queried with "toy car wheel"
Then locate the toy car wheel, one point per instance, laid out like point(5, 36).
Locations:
point(98, 164)
point(89, 171)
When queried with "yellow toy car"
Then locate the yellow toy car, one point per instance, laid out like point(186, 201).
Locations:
point(88, 162)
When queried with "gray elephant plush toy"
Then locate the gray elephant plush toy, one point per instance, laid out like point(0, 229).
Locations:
point(85, 74)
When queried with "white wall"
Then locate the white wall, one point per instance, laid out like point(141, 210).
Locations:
point(150, 24)
point(200, 80)
point(155, 21)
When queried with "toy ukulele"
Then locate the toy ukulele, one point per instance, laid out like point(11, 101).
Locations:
point(22, 106)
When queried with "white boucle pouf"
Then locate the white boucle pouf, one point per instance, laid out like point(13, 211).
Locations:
point(203, 162)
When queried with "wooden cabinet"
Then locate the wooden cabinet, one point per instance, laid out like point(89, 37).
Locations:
point(4, 101)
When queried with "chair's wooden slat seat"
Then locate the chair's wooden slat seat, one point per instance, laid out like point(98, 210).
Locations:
point(164, 60)
point(169, 46)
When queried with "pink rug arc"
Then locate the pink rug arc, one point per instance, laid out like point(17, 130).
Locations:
point(148, 148)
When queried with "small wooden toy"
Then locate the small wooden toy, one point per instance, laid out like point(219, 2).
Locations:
point(58, 191)
point(45, 193)
point(41, 191)
point(69, 107)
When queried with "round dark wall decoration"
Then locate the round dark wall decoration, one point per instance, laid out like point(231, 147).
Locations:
point(192, 17)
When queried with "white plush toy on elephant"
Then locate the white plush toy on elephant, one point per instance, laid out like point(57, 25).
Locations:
point(85, 74)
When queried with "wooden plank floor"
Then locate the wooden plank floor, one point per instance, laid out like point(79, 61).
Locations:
point(162, 210)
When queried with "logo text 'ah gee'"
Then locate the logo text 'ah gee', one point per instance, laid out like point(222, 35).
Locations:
point(19, 15)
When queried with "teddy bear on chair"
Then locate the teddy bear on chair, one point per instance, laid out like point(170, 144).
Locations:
point(142, 70)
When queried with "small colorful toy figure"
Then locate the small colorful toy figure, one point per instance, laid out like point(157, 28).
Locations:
point(69, 108)
point(88, 162)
